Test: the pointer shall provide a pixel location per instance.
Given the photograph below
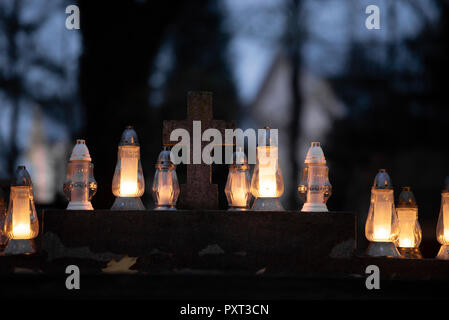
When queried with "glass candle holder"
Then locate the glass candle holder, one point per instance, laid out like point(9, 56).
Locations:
point(80, 185)
point(267, 185)
point(21, 225)
point(238, 185)
point(165, 182)
point(382, 227)
point(3, 235)
point(128, 183)
point(410, 233)
point(315, 188)
point(443, 224)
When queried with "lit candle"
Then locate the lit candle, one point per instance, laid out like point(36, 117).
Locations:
point(21, 219)
point(445, 215)
point(382, 217)
point(267, 185)
point(21, 223)
point(410, 233)
point(21, 231)
point(165, 194)
point(128, 188)
point(381, 227)
point(406, 243)
point(128, 173)
point(381, 233)
point(237, 187)
point(267, 171)
point(128, 183)
point(443, 224)
point(443, 219)
point(164, 188)
point(240, 190)
point(446, 235)
point(165, 182)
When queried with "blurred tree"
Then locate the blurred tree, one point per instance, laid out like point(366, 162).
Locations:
point(398, 110)
point(277, 26)
point(120, 41)
point(199, 44)
point(10, 79)
point(123, 45)
point(38, 69)
point(294, 35)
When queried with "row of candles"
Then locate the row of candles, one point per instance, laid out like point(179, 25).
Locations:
point(392, 232)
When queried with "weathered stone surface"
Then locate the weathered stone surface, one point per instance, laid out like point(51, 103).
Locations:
point(219, 243)
point(203, 240)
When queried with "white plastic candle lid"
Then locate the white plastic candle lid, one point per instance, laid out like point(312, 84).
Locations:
point(80, 151)
point(315, 154)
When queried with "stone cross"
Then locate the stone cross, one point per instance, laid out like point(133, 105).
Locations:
point(198, 192)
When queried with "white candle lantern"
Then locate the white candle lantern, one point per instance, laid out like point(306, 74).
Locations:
point(80, 185)
point(21, 225)
point(165, 182)
point(382, 227)
point(315, 188)
point(443, 224)
point(238, 185)
point(3, 209)
point(267, 184)
point(128, 183)
point(410, 233)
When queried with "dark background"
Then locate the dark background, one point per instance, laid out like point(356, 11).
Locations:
point(382, 94)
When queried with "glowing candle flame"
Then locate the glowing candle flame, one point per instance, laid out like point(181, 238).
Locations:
point(446, 235)
point(267, 172)
point(128, 176)
point(382, 219)
point(406, 243)
point(21, 222)
point(239, 190)
point(21, 231)
point(165, 194)
point(381, 233)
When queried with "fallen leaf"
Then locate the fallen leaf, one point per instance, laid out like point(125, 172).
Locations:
point(121, 266)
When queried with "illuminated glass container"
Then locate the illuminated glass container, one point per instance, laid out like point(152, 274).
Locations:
point(21, 225)
point(443, 224)
point(238, 185)
point(410, 233)
point(3, 236)
point(80, 185)
point(165, 182)
point(382, 227)
point(315, 188)
point(267, 185)
point(128, 183)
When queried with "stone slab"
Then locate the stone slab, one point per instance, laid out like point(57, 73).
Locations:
point(200, 240)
